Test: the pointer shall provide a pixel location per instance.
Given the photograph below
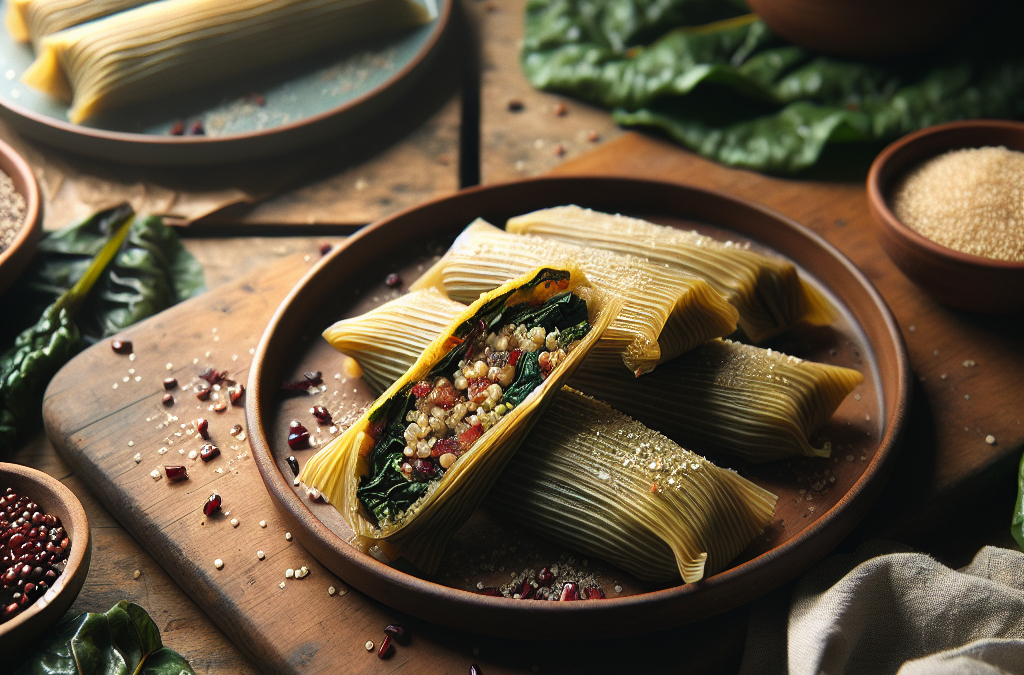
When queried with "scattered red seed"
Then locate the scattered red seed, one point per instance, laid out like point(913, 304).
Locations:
point(298, 436)
point(593, 136)
point(595, 593)
point(385, 648)
point(170, 383)
point(212, 504)
point(322, 415)
point(167, 399)
point(176, 473)
point(558, 150)
point(515, 105)
point(235, 430)
point(121, 346)
point(236, 391)
point(392, 280)
point(197, 129)
point(309, 380)
point(545, 577)
point(178, 128)
point(559, 109)
point(220, 406)
point(256, 99)
point(569, 592)
point(203, 427)
point(208, 452)
point(213, 376)
point(397, 632)
point(202, 391)
point(325, 247)
point(293, 464)
point(474, 670)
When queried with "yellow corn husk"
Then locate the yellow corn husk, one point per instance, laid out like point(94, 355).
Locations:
point(422, 531)
point(768, 292)
point(665, 313)
point(32, 20)
point(164, 47)
point(606, 485)
point(749, 402)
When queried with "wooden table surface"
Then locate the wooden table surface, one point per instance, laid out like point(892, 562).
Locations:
point(955, 406)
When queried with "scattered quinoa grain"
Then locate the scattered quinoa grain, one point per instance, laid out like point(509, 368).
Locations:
point(969, 363)
point(990, 439)
point(218, 563)
point(288, 536)
point(369, 645)
point(234, 522)
point(289, 573)
point(331, 590)
point(968, 200)
point(263, 523)
point(136, 574)
point(281, 585)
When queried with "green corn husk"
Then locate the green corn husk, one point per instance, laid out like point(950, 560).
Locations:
point(32, 20)
point(168, 46)
point(666, 313)
point(768, 292)
point(584, 476)
point(753, 403)
point(422, 530)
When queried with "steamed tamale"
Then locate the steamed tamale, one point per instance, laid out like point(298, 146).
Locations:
point(665, 313)
point(767, 291)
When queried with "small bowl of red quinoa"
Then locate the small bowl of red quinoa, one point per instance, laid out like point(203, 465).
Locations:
point(20, 222)
point(949, 205)
point(45, 551)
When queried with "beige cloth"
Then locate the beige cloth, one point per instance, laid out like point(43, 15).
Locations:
point(886, 609)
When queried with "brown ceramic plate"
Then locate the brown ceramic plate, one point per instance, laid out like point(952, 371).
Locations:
point(814, 513)
point(56, 499)
point(953, 278)
point(16, 257)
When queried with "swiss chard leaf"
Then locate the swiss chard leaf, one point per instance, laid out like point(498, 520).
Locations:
point(734, 92)
point(1017, 522)
point(528, 377)
point(151, 272)
point(123, 640)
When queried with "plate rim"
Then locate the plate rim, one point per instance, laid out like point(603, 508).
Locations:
point(415, 595)
point(32, 122)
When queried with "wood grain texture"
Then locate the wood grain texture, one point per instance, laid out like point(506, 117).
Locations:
point(945, 457)
point(535, 139)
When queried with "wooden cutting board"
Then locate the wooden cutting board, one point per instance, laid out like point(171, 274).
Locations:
point(104, 414)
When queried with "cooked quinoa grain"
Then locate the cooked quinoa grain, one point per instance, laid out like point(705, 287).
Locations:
point(969, 200)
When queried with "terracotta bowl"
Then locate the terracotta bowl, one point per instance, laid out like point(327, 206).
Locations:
point(56, 499)
point(956, 279)
point(17, 256)
point(867, 28)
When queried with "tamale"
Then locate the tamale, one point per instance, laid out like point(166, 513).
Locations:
point(606, 485)
point(746, 401)
point(767, 291)
point(32, 20)
point(665, 313)
point(165, 47)
point(414, 486)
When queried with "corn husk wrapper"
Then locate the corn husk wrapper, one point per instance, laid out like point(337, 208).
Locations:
point(422, 531)
point(666, 313)
point(32, 20)
point(606, 485)
point(768, 292)
point(745, 401)
point(168, 46)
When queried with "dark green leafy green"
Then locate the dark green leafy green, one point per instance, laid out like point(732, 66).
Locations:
point(40, 350)
point(736, 93)
point(122, 640)
point(527, 378)
point(1017, 522)
point(152, 272)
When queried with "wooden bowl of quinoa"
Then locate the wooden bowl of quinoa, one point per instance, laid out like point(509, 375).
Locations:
point(20, 224)
point(949, 204)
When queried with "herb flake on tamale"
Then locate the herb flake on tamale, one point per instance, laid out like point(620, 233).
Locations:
point(168, 46)
point(768, 292)
point(745, 401)
point(666, 312)
point(414, 467)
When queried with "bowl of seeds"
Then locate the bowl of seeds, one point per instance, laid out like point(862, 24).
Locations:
point(949, 204)
point(20, 224)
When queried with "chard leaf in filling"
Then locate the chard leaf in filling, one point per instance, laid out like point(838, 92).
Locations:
point(388, 491)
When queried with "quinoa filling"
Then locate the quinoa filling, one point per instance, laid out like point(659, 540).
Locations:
point(499, 357)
